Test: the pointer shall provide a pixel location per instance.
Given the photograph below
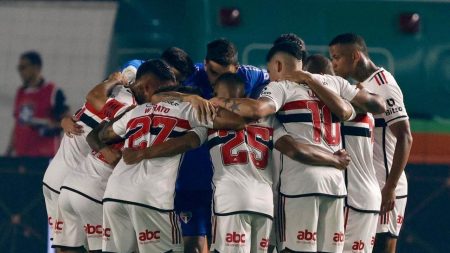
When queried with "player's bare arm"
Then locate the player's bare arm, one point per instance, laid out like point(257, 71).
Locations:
point(70, 126)
point(205, 110)
point(369, 102)
point(338, 106)
point(110, 155)
point(168, 148)
point(250, 109)
point(402, 132)
point(98, 95)
point(310, 154)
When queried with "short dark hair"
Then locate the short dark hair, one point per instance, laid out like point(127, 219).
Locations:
point(180, 60)
point(222, 51)
point(231, 79)
point(157, 67)
point(294, 38)
point(32, 56)
point(181, 89)
point(285, 47)
point(318, 64)
point(350, 39)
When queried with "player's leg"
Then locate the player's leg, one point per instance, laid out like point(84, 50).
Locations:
point(232, 233)
point(91, 214)
point(260, 233)
point(156, 231)
point(389, 227)
point(69, 234)
point(330, 232)
point(118, 231)
point(194, 211)
point(51, 204)
point(360, 230)
point(298, 221)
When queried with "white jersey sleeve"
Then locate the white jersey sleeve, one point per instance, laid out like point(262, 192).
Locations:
point(396, 110)
point(278, 130)
point(120, 126)
point(276, 92)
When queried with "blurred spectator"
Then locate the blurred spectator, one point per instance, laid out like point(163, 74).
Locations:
point(39, 106)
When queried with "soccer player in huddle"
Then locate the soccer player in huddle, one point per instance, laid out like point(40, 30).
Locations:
point(322, 188)
point(363, 200)
point(393, 139)
point(243, 175)
point(80, 210)
point(138, 201)
point(194, 193)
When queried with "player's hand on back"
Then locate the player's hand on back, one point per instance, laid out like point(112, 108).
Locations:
point(206, 111)
point(70, 127)
point(111, 156)
point(299, 76)
point(119, 78)
point(133, 156)
point(342, 159)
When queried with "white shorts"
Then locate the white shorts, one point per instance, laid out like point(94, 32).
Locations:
point(360, 230)
point(311, 224)
point(131, 228)
point(79, 222)
point(241, 233)
point(51, 204)
point(392, 221)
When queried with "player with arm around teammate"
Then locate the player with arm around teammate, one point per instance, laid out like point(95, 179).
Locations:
point(393, 139)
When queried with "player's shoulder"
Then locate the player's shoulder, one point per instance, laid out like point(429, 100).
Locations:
point(382, 77)
point(249, 68)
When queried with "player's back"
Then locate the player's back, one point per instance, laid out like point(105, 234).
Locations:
point(72, 150)
point(362, 186)
point(151, 182)
point(309, 121)
point(242, 162)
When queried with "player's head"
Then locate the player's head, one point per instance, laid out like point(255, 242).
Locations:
point(180, 63)
point(150, 76)
point(229, 85)
point(346, 51)
point(292, 37)
point(282, 59)
point(318, 64)
point(30, 65)
point(221, 57)
point(181, 89)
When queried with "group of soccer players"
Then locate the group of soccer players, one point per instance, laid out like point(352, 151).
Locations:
point(171, 156)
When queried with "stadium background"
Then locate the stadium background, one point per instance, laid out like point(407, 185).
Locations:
point(82, 41)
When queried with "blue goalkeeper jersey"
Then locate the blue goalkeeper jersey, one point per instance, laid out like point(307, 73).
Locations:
point(196, 168)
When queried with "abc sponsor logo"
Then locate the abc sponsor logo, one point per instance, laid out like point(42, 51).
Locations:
point(400, 219)
point(149, 236)
point(106, 234)
point(264, 244)
point(93, 230)
point(338, 238)
point(58, 226)
point(306, 236)
point(358, 246)
point(235, 239)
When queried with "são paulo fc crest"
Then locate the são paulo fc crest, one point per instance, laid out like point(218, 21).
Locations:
point(185, 216)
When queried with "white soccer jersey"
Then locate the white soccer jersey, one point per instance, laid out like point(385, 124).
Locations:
point(308, 120)
point(72, 151)
point(150, 183)
point(383, 83)
point(90, 176)
point(243, 165)
point(363, 192)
